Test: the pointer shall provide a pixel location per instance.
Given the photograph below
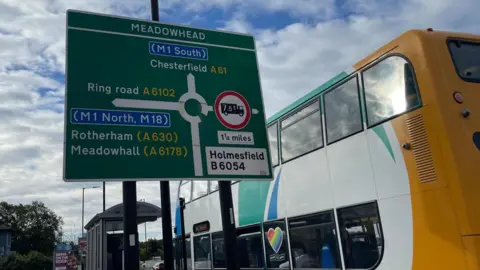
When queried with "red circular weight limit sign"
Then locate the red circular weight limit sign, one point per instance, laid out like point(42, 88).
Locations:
point(232, 110)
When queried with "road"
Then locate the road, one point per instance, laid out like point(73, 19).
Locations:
point(149, 264)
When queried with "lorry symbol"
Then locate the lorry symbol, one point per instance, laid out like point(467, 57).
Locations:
point(231, 108)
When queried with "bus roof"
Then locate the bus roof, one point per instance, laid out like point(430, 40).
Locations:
point(327, 84)
point(307, 97)
point(364, 61)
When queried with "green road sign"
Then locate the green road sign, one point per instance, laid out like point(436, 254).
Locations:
point(154, 101)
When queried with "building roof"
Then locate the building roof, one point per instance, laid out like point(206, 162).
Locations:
point(4, 228)
point(145, 212)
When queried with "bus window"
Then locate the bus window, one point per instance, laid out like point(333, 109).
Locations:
point(213, 186)
point(342, 111)
point(250, 248)
point(276, 245)
point(201, 252)
point(200, 188)
point(273, 139)
point(390, 89)
point(313, 242)
point(218, 250)
point(302, 132)
point(411, 91)
point(466, 58)
point(362, 240)
point(186, 191)
point(304, 112)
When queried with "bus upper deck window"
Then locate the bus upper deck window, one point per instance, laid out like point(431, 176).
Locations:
point(466, 58)
point(411, 92)
point(390, 89)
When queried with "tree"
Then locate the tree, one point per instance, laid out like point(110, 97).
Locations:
point(32, 261)
point(35, 227)
point(143, 254)
point(153, 247)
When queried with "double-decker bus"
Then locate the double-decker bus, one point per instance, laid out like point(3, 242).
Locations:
point(375, 169)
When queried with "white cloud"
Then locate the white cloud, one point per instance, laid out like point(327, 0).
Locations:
point(296, 59)
point(293, 61)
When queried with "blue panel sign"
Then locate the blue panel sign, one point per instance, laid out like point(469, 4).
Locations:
point(63, 247)
point(119, 118)
point(167, 49)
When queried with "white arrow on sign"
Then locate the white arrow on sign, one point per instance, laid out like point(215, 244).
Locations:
point(180, 107)
point(146, 104)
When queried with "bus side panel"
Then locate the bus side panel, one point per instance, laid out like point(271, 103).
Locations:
point(437, 242)
point(393, 191)
point(460, 130)
point(208, 208)
point(235, 199)
point(198, 211)
point(189, 216)
point(306, 183)
point(391, 177)
point(351, 171)
point(397, 229)
point(354, 182)
point(213, 210)
point(472, 248)
point(252, 200)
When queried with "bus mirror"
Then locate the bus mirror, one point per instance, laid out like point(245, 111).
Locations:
point(181, 201)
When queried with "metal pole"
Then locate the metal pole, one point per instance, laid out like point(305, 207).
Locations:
point(166, 225)
point(146, 246)
point(83, 207)
point(83, 204)
point(182, 224)
point(130, 227)
point(155, 13)
point(228, 223)
point(103, 196)
point(164, 190)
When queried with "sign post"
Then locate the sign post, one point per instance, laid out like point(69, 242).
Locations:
point(164, 190)
point(130, 226)
point(148, 101)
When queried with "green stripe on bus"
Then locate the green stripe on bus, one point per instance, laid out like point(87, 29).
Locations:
point(252, 198)
point(382, 134)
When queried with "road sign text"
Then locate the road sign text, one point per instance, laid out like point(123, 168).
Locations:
point(147, 101)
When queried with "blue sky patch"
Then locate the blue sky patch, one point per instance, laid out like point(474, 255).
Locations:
point(273, 20)
point(44, 91)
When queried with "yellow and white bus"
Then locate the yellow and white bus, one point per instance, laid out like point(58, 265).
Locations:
point(378, 168)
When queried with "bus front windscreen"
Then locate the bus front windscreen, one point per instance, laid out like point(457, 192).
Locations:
point(466, 58)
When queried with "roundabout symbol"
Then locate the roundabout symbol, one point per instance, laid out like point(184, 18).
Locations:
point(232, 110)
point(229, 117)
point(180, 107)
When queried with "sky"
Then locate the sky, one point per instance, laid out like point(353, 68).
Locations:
point(300, 45)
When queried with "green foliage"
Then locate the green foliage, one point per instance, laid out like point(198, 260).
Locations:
point(35, 227)
point(152, 247)
point(31, 261)
point(159, 253)
point(143, 254)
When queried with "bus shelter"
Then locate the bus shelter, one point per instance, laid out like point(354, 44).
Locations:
point(105, 235)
